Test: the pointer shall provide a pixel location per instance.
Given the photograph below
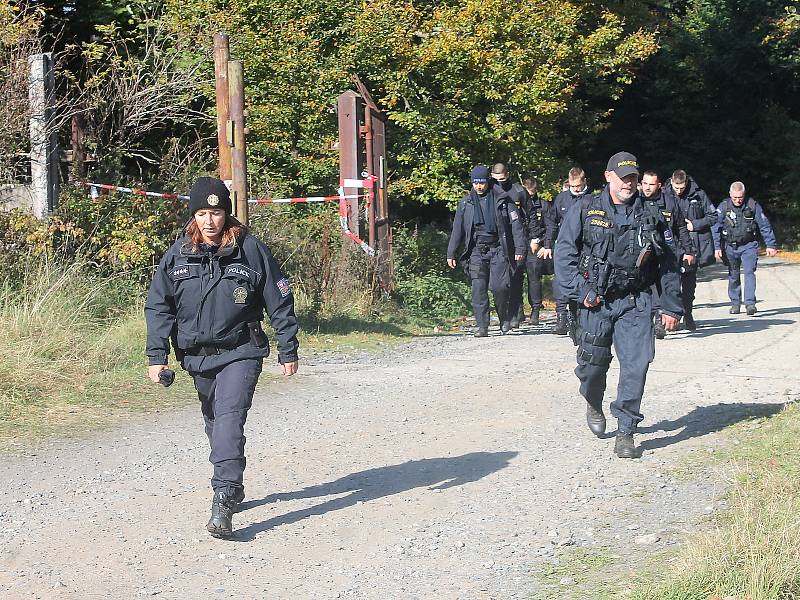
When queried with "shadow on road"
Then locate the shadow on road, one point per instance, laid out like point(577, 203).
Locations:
point(433, 473)
point(707, 327)
point(704, 420)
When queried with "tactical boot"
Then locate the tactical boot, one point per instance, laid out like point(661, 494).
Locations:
point(562, 327)
point(735, 309)
point(505, 327)
point(518, 318)
point(661, 333)
point(223, 506)
point(624, 446)
point(688, 322)
point(481, 332)
point(596, 420)
point(534, 320)
point(751, 309)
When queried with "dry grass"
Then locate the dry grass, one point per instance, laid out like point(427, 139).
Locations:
point(753, 552)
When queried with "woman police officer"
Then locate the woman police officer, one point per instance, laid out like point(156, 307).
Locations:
point(208, 298)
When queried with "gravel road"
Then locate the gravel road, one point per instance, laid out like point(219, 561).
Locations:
point(447, 468)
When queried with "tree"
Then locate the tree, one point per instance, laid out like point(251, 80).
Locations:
point(719, 100)
point(461, 81)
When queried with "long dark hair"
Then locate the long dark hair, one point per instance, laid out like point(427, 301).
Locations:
point(232, 232)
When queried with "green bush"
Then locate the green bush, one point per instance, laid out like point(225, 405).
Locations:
point(434, 296)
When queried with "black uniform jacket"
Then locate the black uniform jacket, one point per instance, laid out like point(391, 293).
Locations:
point(510, 228)
point(533, 219)
point(696, 207)
point(201, 298)
point(558, 212)
point(676, 221)
point(570, 247)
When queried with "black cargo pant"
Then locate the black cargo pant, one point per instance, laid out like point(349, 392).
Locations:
point(627, 324)
point(226, 394)
point(489, 269)
point(688, 288)
point(515, 301)
point(537, 267)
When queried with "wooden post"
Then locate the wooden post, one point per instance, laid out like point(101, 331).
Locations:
point(221, 58)
point(350, 156)
point(236, 133)
point(44, 138)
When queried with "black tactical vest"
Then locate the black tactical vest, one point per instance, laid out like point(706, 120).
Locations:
point(620, 259)
point(740, 222)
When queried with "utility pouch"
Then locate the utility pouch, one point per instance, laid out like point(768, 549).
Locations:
point(257, 336)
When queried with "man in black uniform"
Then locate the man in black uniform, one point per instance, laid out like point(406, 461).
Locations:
point(577, 191)
point(535, 265)
point(530, 212)
point(611, 249)
point(489, 226)
point(677, 234)
point(699, 215)
point(207, 299)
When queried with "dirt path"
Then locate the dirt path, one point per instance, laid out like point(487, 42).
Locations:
point(449, 468)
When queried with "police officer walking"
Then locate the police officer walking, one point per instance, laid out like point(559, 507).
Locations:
point(526, 198)
point(207, 300)
point(699, 215)
point(736, 230)
point(519, 196)
point(577, 190)
point(676, 233)
point(535, 265)
point(489, 226)
point(611, 249)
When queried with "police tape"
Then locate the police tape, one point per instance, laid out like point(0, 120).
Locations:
point(93, 187)
point(367, 182)
point(308, 199)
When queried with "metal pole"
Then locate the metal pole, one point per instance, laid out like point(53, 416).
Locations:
point(237, 132)
point(221, 58)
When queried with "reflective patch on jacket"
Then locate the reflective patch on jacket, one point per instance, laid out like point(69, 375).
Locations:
point(283, 287)
point(183, 271)
point(243, 272)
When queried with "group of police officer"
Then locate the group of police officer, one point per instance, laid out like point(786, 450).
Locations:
point(625, 265)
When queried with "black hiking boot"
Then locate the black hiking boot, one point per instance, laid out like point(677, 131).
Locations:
point(534, 320)
point(596, 420)
point(624, 446)
point(751, 309)
point(224, 504)
point(481, 332)
point(562, 327)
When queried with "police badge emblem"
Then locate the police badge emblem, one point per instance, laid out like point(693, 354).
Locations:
point(240, 295)
point(212, 199)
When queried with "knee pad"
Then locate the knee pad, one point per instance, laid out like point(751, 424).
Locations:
point(594, 349)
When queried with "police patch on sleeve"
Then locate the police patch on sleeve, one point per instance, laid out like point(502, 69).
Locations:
point(283, 287)
point(240, 295)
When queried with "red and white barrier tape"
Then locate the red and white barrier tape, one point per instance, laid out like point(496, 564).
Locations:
point(341, 198)
point(309, 199)
point(117, 188)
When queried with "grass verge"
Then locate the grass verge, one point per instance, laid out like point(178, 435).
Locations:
point(580, 573)
point(73, 359)
point(753, 550)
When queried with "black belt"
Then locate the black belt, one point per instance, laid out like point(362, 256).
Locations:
point(213, 350)
point(484, 248)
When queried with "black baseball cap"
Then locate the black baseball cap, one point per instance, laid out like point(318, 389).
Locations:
point(623, 164)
